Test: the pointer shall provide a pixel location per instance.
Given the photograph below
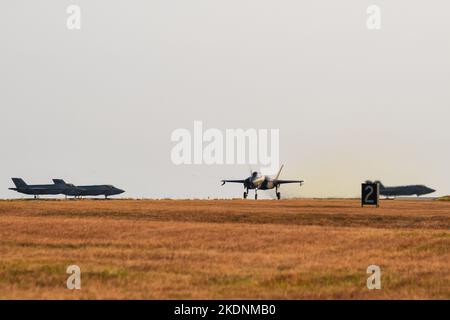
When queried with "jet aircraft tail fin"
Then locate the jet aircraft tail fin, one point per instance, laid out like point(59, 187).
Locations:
point(381, 184)
point(19, 183)
point(59, 181)
point(279, 172)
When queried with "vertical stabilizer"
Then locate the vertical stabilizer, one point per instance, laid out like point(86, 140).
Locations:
point(279, 172)
point(381, 185)
point(19, 183)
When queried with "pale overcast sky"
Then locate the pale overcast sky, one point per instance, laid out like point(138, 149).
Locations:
point(98, 105)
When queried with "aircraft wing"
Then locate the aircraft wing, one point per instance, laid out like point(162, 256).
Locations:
point(232, 181)
point(278, 181)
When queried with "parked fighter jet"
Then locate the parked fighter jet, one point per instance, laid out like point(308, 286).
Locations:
point(409, 190)
point(262, 182)
point(41, 189)
point(92, 190)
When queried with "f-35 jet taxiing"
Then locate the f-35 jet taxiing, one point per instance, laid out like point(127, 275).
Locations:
point(61, 187)
point(257, 182)
point(409, 190)
point(91, 190)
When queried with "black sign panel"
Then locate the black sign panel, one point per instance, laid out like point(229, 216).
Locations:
point(370, 194)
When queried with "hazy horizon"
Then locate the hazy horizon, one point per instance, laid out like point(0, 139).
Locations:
point(98, 105)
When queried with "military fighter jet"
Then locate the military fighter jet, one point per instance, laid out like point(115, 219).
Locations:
point(41, 189)
point(92, 190)
point(257, 182)
point(409, 190)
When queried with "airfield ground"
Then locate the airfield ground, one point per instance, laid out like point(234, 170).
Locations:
point(192, 249)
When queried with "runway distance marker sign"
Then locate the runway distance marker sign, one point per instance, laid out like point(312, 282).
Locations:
point(370, 194)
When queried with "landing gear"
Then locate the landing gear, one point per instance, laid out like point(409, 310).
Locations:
point(278, 195)
point(245, 192)
point(256, 194)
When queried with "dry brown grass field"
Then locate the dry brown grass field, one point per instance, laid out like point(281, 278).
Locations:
point(230, 249)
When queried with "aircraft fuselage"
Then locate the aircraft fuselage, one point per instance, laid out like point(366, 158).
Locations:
point(43, 189)
point(417, 190)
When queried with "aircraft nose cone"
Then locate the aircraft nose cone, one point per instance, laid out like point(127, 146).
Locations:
point(120, 191)
point(432, 190)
